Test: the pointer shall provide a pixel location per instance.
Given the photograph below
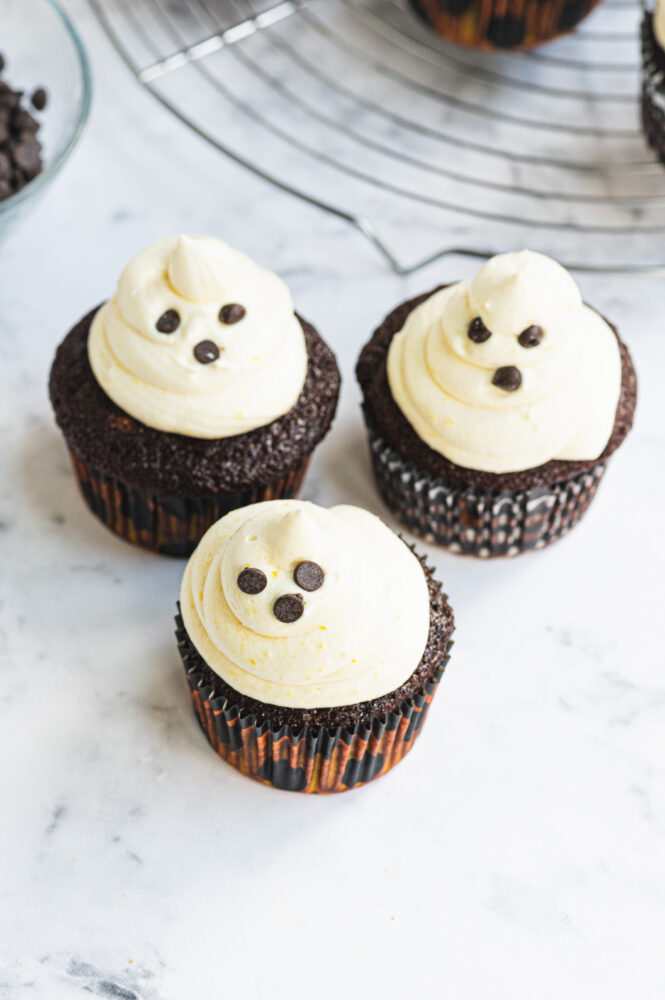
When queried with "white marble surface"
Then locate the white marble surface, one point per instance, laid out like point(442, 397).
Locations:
point(517, 853)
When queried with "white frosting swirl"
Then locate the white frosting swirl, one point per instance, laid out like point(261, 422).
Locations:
point(157, 378)
point(659, 23)
point(570, 382)
point(361, 634)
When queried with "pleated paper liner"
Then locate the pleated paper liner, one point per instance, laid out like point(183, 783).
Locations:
point(170, 525)
point(503, 24)
point(309, 759)
point(479, 522)
point(653, 88)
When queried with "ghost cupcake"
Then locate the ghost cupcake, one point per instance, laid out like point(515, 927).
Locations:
point(653, 78)
point(493, 406)
point(194, 390)
point(313, 642)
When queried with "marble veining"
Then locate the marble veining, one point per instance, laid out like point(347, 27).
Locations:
point(517, 853)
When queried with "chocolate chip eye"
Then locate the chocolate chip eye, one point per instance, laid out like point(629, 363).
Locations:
point(531, 337)
point(477, 331)
point(288, 608)
point(206, 352)
point(252, 581)
point(308, 576)
point(168, 322)
point(508, 378)
point(233, 312)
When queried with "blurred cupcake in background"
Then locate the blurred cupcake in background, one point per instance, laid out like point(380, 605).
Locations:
point(194, 390)
point(493, 406)
point(502, 24)
point(653, 78)
point(313, 640)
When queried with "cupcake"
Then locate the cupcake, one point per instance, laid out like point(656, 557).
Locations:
point(491, 24)
point(313, 642)
point(493, 406)
point(196, 389)
point(653, 78)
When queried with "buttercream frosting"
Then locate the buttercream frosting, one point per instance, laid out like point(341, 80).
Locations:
point(168, 349)
point(509, 370)
point(362, 627)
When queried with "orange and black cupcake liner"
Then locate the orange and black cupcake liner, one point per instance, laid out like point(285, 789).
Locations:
point(503, 24)
point(309, 759)
point(170, 525)
point(474, 521)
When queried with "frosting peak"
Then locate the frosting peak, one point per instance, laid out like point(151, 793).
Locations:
point(196, 268)
point(199, 341)
point(509, 370)
point(297, 605)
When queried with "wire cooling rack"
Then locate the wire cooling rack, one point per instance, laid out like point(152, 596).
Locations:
point(427, 148)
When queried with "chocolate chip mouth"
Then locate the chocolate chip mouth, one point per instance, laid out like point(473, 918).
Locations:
point(206, 352)
point(288, 608)
point(508, 378)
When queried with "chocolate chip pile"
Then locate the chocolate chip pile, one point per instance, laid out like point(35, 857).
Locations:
point(20, 149)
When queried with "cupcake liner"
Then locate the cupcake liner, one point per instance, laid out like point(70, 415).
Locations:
point(503, 24)
point(653, 88)
point(474, 521)
point(309, 759)
point(170, 525)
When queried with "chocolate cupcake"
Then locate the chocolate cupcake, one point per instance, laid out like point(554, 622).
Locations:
point(493, 406)
point(193, 391)
point(653, 78)
point(313, 642)
point(489, 24)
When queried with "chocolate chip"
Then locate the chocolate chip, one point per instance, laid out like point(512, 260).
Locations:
point(252, 581)
point(478, 332)
point(20, 150)
point(288, 608)
point(232, 313)
point(206, 352)
point(23, 121)
point(508, 378)
point(39, 99)
point(27, 156)
point(168, 322)
point(531, 337)
point(308, 575)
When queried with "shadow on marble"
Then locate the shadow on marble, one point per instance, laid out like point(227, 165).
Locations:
point(45, 481)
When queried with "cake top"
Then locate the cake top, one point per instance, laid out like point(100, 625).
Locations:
point(303, 606)
point(509, 370)
point(199, 340)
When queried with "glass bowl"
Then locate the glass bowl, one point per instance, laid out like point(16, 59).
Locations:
point(42, 49)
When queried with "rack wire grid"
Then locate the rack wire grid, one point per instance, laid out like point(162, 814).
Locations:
point(427, 148)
